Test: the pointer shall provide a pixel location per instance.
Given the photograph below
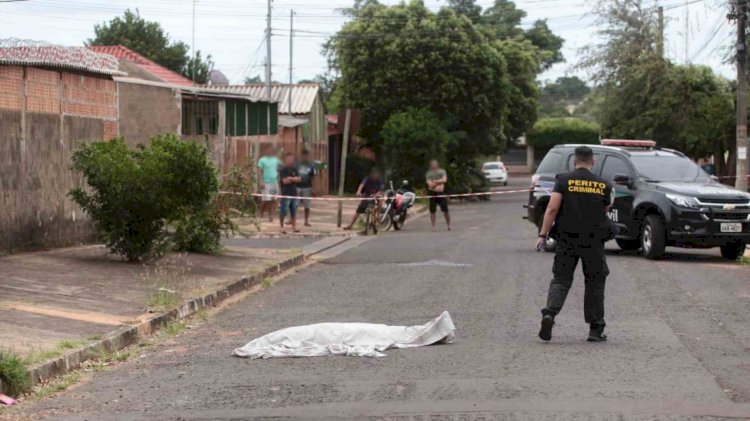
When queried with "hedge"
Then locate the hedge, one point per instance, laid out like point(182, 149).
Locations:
point(548, 132)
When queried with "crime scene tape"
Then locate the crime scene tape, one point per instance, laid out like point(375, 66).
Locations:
point(536, 189)
point(358, 199)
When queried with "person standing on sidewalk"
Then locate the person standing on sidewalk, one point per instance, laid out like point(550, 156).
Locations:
point(268, 174)
point(289, 181)
point(436, 178)
point(307, 171)
point(579, 204)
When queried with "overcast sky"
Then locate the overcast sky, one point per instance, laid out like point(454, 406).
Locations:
point(232, 31)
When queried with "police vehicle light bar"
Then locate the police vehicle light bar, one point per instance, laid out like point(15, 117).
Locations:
point(630, 143)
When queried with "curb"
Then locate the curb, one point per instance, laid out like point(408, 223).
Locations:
point(128, 335)
point(302, 235)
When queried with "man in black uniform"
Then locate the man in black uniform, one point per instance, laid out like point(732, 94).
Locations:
point(579, 205)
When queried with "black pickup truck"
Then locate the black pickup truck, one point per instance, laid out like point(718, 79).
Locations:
point(662, 198)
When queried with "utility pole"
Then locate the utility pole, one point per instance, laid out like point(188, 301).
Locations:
point(193, 69)
point(268, 51)
point(291, 57)
point(342, 174)
point(741, 180)
point(660, 30)
point(687, 32)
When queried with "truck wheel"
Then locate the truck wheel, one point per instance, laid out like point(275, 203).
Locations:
point(628, 245)
point(653, 237)
point(733, 250)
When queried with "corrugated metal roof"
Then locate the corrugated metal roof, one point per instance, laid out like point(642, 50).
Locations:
point(200, 90)
point(38, 53)
point(303, 95)
point(158, 71)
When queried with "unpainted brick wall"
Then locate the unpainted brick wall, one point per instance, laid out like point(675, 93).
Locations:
point(147, 111)
point(44, 115)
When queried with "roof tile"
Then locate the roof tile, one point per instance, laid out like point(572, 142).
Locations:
point(160, 72)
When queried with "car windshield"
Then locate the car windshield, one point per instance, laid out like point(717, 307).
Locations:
point(675, 169)
point(491, 167)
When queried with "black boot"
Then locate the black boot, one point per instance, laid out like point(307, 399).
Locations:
point(545, 333)
point(596, 333)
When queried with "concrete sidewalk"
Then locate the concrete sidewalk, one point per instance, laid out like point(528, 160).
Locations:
point(61, 308)
point(81, 293)
point(323, 220)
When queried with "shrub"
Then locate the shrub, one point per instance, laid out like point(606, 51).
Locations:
point(135, 194)
point(201, 231)
point(549, 132)
point(13, 374)
point(238, 188)
point(464, 177)
point(410, 139)
point(122, 199)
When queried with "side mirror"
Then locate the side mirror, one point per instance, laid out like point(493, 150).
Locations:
point(622, 180)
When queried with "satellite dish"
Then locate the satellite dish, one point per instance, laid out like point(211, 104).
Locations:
point(215, 77)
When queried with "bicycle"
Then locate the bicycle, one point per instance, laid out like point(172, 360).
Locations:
point(372, 217)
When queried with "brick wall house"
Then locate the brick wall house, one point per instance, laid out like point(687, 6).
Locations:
point(234, 127)
point(51, 98)
point(302, 121)
point(155, 100)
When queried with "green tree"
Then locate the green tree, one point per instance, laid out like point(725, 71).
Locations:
point(249, 80)
point(569, 88)
point(150, 39)
point(523, 66)
point(683, 107)
point(412, 138)
point(468, 8)
point(198, 69)
point(503, 19)
point(549, 44)
point(558, 97)
point(394, 58)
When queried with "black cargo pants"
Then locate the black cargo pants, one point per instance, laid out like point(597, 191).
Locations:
point(591, 252)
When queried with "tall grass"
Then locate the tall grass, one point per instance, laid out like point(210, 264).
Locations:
point(13, 373)
point(166, 283)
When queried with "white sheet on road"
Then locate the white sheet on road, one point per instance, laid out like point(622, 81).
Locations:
point(350, 339)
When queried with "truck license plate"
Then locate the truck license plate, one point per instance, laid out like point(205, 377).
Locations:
point(731, 227)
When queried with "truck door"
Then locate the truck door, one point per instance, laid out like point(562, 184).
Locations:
point(622, 210)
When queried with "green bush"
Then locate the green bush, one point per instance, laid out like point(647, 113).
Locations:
point(134, 195)
point(464, 177)
point(238, 188)
point(13, 374)
point(548, 132)
point(201, 232)
point(410, 140)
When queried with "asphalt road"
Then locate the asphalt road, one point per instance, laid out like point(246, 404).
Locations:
point(679, 343)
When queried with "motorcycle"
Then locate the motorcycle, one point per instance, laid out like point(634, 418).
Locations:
point(396, 206)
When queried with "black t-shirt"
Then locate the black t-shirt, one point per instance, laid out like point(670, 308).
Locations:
point(371, 186)
point(585, 198)
point(291, 188)
point(307, 172)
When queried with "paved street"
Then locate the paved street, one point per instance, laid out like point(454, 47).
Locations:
point(679, 346)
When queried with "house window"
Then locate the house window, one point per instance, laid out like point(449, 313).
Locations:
point(200, 117)
point(250, 118)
